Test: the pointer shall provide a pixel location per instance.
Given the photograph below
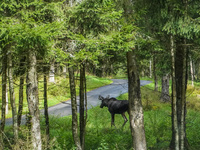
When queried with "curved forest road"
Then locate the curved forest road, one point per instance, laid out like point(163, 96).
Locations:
point(119, 86)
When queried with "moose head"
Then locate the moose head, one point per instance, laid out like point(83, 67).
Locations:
point(104, 101)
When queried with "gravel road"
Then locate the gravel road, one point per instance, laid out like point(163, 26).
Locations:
point(119, 86)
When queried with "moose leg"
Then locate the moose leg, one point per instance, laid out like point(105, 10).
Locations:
point(113, 120)
point(125, 119)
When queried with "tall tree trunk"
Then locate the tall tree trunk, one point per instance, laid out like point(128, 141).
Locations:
point(82, 105)
point(181, 84)
point(135, 105)
point(194, 69)
point(12, 97)
point(46, 114)
point(197, 69)
point(21, 99)
point(150, 70)
point(7, 108)
point(191, 71)
point(154, 74)
point(33, 100)
point(179, 140)
point(21, 90)
point(74, 108)
point(165, 89)
point(175, 133)
point(3, 104)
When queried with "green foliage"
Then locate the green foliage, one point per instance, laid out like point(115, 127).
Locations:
point(86, 22)
point(94, 16)
point(158, 133)
point(61, 131)
point(184, 27)
point(179, 18)
point(30, 25)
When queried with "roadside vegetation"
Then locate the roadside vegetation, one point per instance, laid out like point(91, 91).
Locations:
point(100, 135)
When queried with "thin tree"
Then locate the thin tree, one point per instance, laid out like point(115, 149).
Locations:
point(192, 71)
point(21, 99)
point(150, 69)
point(3, 102)
point(175, 133)
point(82, 107)
point(12, 96)
point(46, 114)
point(74, 108)
point(154, 74)
point(21, 90)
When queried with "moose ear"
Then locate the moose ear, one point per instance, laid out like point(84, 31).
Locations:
point(101, 97)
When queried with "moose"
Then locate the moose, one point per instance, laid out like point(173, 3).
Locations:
point(115, 107)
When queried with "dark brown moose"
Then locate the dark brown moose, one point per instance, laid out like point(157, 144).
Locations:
point(115, 107)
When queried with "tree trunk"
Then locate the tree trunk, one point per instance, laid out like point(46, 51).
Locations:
point(135, 105)
point(191, 71)
point(154, 74)
point(52, 72)
point(4, 83)
point(82, 105)
point(175, 133)
point(197, 70)
point(21, 90)
point(74, 108)
point(165, 89)
point(46, 114)
point(179, 140)
point(194, 70)
point(150, 70)
point(21, 99)
point(33, 100)
point(12, 97)
point(7, 109)
point(181, 91)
